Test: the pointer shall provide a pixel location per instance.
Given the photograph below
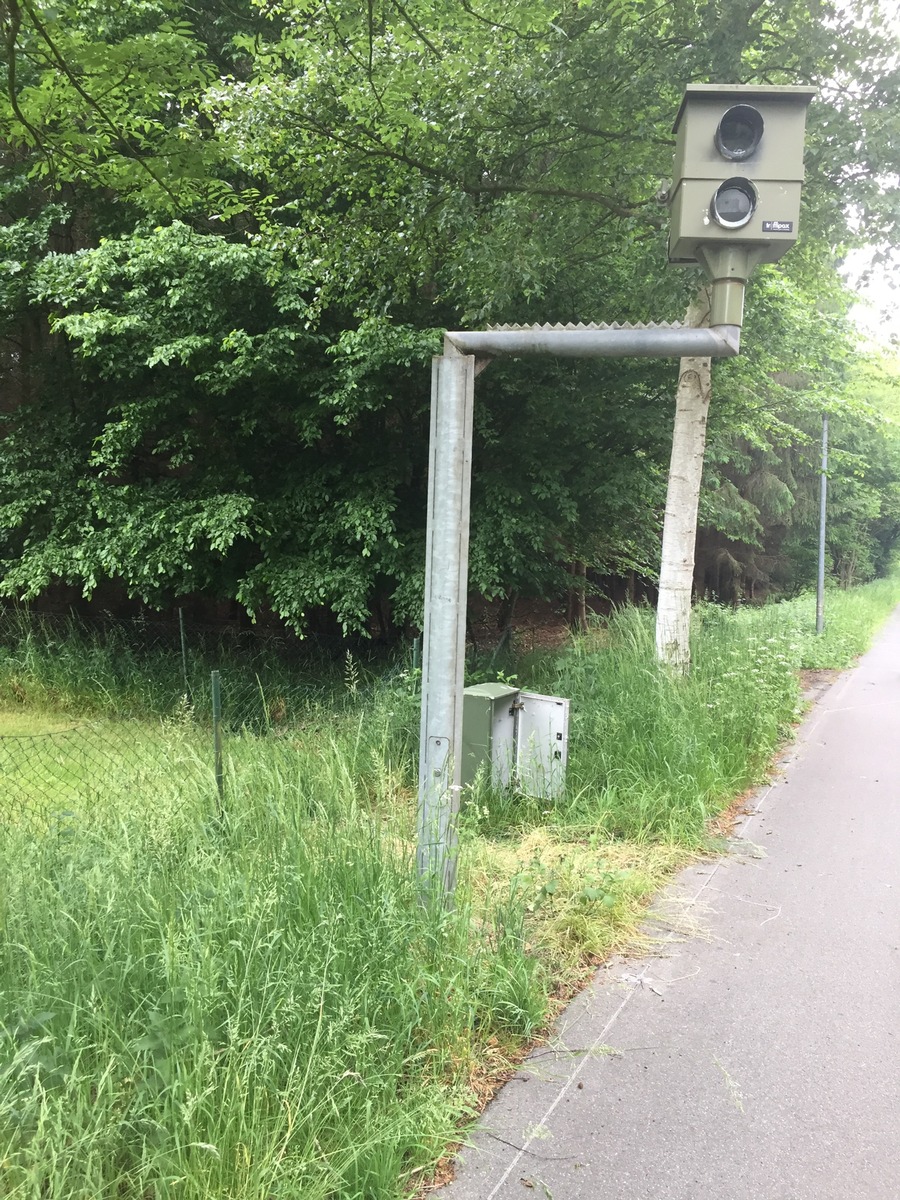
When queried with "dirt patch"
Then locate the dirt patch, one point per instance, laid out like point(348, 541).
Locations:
point(814, 684)
point(533, 625)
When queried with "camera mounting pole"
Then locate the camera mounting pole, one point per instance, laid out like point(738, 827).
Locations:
point(735, 202)
point(447, 541)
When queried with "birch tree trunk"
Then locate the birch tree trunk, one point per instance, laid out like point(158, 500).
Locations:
point(676, 574)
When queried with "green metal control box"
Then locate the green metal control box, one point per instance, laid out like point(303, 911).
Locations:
point(515, 739)
point(488, 740)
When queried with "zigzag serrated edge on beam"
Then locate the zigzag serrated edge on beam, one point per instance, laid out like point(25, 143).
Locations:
point(581, 325)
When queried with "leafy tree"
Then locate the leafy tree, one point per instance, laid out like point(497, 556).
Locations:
point(244, 227)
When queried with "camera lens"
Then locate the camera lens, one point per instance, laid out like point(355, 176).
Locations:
point(739, 133)
point(734, 203)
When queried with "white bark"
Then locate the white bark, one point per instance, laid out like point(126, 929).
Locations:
point(676, 575)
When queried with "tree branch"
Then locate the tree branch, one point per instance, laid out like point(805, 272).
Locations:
point(11, 39)
point(491, 24)
point(379, 150)
point(416, 29)
point(95, 105)
point(529, 189)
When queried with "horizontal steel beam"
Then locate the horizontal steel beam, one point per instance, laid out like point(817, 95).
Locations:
point(664, 341)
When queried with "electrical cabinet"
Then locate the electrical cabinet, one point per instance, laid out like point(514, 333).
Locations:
point(518, 739)
point(489, 730)
point(542, 745)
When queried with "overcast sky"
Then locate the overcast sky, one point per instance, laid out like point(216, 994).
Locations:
point(878, 313)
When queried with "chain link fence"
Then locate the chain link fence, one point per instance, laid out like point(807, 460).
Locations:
point(108, 720)
point(98, 772)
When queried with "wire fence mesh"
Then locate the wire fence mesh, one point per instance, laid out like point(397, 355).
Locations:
point(97, 772)
point(111, 720)
point(139, 667)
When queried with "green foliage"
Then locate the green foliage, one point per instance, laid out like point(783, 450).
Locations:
point(760, 504)
point(22, 245)
point(169, 486)
point(231, 235)
point(108, 96)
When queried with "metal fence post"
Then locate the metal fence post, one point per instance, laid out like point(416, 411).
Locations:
point(217, 741)
point(444, 633)
point(184, 668)
point(823, 498)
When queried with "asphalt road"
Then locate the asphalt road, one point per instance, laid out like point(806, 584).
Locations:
point(756, 1053)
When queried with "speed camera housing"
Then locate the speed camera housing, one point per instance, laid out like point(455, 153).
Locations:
point(737, 174)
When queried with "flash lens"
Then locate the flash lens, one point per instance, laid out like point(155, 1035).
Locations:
point(733, 203)
point(739, 132)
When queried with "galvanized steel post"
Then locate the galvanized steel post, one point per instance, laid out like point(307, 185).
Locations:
point(184, 667)
point(217, 741)
point(444, 633)
point(601, 341)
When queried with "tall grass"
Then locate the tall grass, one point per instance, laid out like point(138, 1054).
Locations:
point(133, 669)
point(654, 755)
point(258, 1005)
point(851, 618)
point(248, 1009)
